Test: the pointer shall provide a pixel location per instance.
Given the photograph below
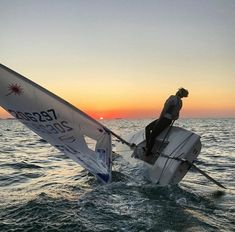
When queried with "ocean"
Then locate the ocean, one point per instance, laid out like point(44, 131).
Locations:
point(43, 190)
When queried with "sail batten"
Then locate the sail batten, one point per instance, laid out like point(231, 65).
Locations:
point(58, 122)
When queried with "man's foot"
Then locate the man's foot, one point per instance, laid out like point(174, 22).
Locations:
point(133, 146)
point(147, 151)
point(149, 158)
point(148, 154)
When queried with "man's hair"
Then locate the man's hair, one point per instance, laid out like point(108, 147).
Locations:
point(182, 92)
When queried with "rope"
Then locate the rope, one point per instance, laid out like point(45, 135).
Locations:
point(169, 156)
point(198, 169)
point(121, 139)
point(167, 133)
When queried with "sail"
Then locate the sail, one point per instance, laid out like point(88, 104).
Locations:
point(58, 122)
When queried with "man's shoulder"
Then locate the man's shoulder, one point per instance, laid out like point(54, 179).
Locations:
point(172, 96)
point(174, 99)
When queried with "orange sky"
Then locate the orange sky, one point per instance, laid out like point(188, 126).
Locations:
point(109, 62)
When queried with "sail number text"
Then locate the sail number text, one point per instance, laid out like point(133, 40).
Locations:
point(45, 117)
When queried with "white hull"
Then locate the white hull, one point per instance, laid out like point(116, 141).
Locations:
point(179, 143)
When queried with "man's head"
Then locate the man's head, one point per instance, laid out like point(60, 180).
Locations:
point(182, 92)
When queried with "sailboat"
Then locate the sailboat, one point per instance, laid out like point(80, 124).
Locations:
point(174, 151)
point(70, 130)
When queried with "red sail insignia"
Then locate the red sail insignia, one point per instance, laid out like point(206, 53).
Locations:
point(15, 89)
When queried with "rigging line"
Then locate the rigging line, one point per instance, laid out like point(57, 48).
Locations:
point(192, 165)
point(118, 137)
point(168, 131)
point(123, 150)
point(132, 145)
point(182, 143)
point(162, 143)
point(198, 169)
point(206, 175)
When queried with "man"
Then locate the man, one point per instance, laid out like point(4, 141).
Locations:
point(169, 114)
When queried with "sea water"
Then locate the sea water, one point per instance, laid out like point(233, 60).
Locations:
point(43, 190)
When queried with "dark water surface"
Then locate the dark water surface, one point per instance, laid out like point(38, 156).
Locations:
point(42, 190)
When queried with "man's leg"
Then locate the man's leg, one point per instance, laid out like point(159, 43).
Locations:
point(148, 130)
point(159, 127)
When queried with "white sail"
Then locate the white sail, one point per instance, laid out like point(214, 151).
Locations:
point(58, 122)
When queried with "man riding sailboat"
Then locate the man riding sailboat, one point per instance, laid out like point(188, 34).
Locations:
point(169, 114)
point(67, 128)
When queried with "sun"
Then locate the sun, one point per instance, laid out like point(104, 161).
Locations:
point(101, 118)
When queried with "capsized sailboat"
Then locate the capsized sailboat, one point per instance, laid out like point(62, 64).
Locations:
point(172, 147)
point(69, 130)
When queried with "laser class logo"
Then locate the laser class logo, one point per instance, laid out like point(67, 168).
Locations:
point(15, 89)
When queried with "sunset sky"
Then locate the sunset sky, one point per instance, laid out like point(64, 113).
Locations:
point(123, 58)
